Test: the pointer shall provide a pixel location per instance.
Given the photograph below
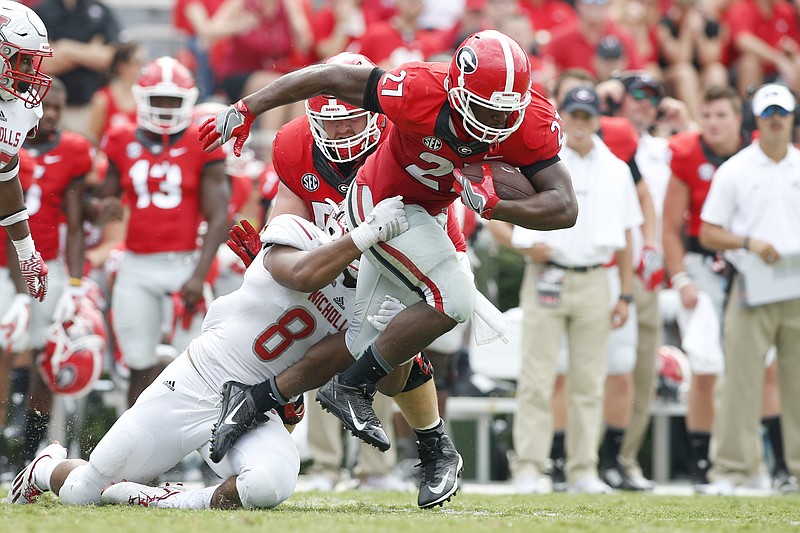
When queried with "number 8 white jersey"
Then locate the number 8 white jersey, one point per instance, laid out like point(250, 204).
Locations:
point(263, 327)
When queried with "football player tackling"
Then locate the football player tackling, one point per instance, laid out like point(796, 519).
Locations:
point(293, 295)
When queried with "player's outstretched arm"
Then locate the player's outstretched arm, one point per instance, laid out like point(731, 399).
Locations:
point(346, 82)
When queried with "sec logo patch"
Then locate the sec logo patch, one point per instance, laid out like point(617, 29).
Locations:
point(432, 143)
point(310, 182)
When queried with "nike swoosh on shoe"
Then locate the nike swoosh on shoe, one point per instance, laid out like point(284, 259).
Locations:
point(229, 419)
point(359, 425)
point(440, 487)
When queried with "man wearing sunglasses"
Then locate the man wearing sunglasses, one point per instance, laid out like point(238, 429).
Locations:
point(752, 212)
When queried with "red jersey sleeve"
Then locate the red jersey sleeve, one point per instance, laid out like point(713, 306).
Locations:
point(542, 133)
point(410, 82)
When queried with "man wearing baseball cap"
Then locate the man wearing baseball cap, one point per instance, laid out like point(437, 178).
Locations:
point(565, 292)
point(753, 212)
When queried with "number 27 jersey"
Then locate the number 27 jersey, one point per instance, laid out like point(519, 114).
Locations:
point(262, 328)
point(421, 151)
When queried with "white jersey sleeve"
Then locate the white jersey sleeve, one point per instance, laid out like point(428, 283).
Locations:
point(17, 119)
point(294, 231)
point(263, 327)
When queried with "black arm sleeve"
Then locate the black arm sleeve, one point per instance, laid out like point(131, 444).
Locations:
point(371, 102)
point(637, 175)
point(530, 170)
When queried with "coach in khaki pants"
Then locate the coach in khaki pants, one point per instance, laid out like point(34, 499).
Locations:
point(753, 209)
point(565, 290)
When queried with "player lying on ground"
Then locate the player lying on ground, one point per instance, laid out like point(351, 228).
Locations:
point(292, 296)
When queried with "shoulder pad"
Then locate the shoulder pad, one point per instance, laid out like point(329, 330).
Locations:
point(294, 231)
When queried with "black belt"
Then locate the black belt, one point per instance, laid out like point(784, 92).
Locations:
point(693, 245)
point(586, 268)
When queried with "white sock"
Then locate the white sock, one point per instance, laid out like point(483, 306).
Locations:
point(43, 471)
point(191, 499)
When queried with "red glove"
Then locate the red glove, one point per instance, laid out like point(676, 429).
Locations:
point(245, 242)
point(184, 313)
point(651, 268)
point(233, 121)
point(480, 197)
point(34, 272)
point(293, 412)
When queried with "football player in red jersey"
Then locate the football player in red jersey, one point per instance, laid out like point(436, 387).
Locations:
point(54, 200)
point(170, 185)
point(477, 108)
point(316, 158)
point(23, 45)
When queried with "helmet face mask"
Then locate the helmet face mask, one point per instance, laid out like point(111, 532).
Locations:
point(23, 46)
point(326, 114)
point(489, 76)
point(165, 96)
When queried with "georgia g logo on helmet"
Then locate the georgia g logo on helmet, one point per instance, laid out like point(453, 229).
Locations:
point(489, 70)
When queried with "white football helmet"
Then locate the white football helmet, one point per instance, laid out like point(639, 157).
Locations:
point(165, 77)
point(23, 45)
point(324, 108)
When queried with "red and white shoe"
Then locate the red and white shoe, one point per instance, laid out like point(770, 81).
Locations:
point(24, 489)
point(129, 493)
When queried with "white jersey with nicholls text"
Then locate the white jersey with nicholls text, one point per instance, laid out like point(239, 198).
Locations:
point(17, 119)
point(263, 327)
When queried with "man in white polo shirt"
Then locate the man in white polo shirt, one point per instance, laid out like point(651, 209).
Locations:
point(753, 213)
point(565, 290)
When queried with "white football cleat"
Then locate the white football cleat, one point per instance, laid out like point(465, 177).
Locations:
point(23, 489)
point(129, 493)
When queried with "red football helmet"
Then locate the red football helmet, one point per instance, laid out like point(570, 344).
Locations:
point(23, 45)
point(674, 373)
point(165, 78)
point(491, 70)
point(73, 356)
point(322, 108)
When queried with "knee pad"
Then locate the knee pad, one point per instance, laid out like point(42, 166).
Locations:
point(83, 486)
point(262, 488)
point(421, 372)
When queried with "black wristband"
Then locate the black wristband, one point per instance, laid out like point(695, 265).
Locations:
point(746, 243)
point(627, 298)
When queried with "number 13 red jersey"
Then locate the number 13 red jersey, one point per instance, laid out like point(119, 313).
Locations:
point(160, 186)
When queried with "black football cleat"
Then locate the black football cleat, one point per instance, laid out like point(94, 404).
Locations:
point(353, 406)
point(237, 415)
point(441, 469)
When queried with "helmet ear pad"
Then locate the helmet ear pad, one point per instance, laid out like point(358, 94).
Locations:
point(491, 70)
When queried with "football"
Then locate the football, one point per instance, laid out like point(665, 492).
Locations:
point(509, 182)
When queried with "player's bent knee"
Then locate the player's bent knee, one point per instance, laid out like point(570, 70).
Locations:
point(263, 488)
point(82, 486)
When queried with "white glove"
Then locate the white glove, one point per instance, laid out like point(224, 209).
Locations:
point(390, 308)
point(68, 304)
point(386, 221)
point(14, 324)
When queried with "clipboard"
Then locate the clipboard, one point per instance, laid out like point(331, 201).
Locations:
point(765, 283)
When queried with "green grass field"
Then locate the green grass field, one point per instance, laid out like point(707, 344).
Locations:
point(389, 512)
